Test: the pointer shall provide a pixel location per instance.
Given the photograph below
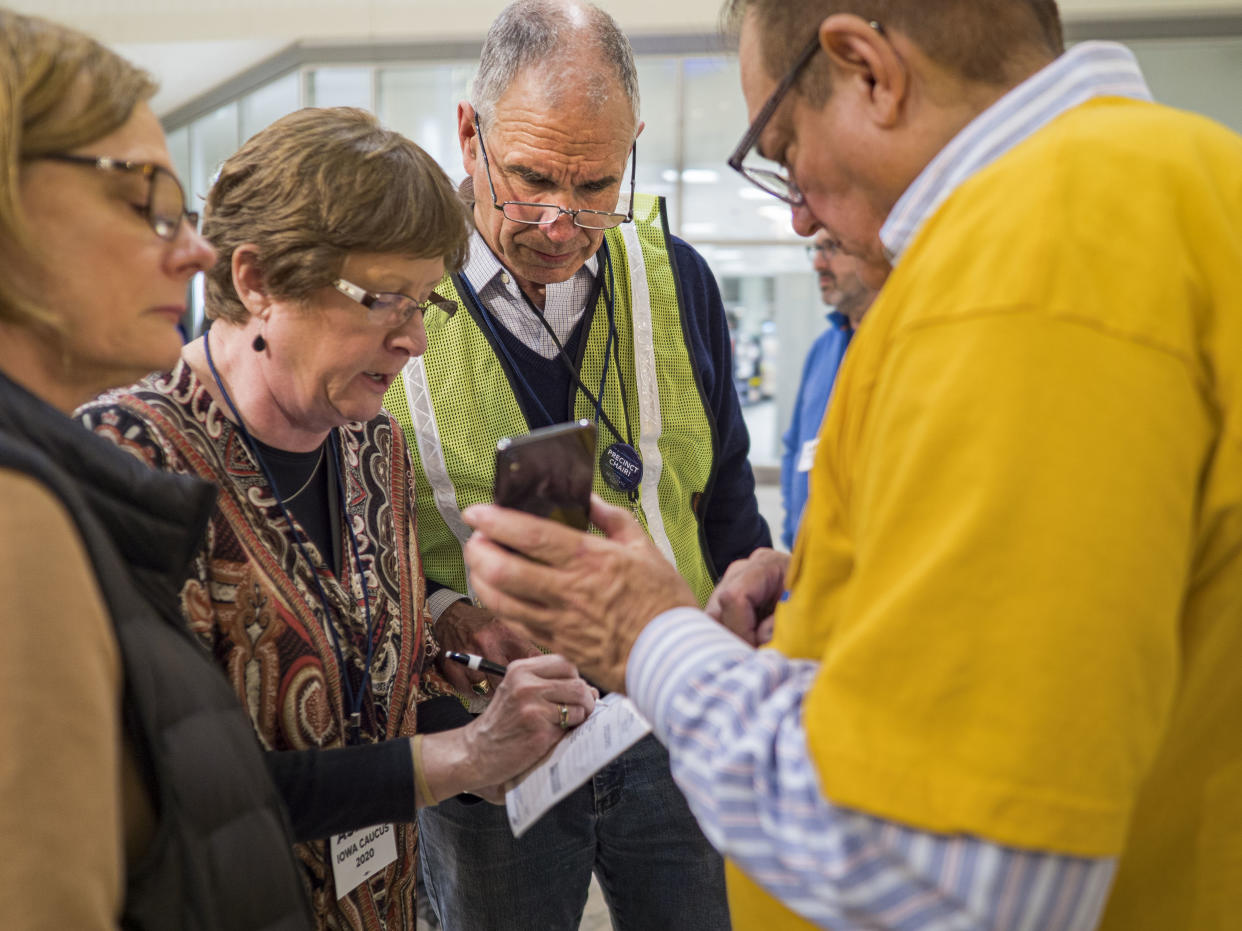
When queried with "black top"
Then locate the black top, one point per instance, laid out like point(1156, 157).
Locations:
point(307, 484)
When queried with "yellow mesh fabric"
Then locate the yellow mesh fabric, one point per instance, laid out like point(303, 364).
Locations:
point(474, 408)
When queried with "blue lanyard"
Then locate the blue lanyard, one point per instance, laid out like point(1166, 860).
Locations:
point(352, 701)
point(611, 350)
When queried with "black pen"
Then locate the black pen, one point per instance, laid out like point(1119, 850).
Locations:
point(475, 662)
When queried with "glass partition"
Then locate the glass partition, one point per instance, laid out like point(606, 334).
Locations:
point(719, 203)
point(659, 148)
point(212, 139)
point(1202, 75)
point(179, 149)
point(339, 87)
point(268, 103)
point(421, 103)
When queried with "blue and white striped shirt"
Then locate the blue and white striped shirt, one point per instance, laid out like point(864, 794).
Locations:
point(732, 716)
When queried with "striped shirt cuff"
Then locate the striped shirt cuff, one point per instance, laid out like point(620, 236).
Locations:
point(675, 647)
point(439, 601)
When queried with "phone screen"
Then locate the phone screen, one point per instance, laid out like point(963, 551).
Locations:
point(548, 472)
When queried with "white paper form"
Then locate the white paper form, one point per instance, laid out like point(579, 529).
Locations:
point(613, 727)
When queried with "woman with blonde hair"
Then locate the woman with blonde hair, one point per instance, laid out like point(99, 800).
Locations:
point(332, 232)
point(135, 792)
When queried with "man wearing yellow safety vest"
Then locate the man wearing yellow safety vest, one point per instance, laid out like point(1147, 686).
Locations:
point(576, 302)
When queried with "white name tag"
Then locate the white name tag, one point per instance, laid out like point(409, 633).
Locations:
point(806, 456)
point(359, 855)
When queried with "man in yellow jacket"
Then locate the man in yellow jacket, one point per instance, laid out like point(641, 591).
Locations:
point(1002, 692)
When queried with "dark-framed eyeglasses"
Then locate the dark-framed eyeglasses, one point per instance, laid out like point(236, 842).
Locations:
point(545, 214)
point(747, 162)
point(164, 207)
point(392, 309)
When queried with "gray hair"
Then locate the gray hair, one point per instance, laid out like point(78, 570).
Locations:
point(537, 33)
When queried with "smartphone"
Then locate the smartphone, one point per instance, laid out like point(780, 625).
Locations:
point(548, 472)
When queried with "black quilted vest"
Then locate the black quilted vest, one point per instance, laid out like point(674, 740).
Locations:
point(221, 857)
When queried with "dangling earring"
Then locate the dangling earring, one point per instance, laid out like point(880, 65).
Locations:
point(259, 343)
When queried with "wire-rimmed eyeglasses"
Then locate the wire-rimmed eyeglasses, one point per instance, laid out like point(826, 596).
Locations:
point(776, 182)
point(164, 207)
point(545, 214)
point(829, 247)
point(391, 309)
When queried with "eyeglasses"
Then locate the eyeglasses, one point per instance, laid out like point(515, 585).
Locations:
point(775, 181)
point(546, 214)
point(393, 309)
point(164, 207)
point(829, 247)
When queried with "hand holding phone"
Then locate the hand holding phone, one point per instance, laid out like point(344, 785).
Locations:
point(548, 472)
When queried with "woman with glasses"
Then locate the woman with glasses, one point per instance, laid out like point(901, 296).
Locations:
point(135, 792)
point(308, 591)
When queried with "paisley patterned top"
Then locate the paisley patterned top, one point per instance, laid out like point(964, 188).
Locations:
point(253, 601)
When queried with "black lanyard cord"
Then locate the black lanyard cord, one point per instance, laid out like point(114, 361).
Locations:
point(598, 402)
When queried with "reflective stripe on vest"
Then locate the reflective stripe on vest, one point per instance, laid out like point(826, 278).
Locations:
point(427, 434)
point(648, 392)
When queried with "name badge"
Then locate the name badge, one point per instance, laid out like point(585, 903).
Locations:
point(806, 456)
point(359, 855)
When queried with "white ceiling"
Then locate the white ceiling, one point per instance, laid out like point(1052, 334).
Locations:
point(187, 69)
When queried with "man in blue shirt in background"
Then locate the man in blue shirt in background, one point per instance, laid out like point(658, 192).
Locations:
point(842, 289)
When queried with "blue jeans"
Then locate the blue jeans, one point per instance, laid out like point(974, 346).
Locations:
point(629, 824)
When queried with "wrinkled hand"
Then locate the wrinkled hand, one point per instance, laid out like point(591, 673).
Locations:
point(747, 595)
point(521, 724)
point(587, 597)
point(469, 629)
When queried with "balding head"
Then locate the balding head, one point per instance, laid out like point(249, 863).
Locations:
point(570, 46)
